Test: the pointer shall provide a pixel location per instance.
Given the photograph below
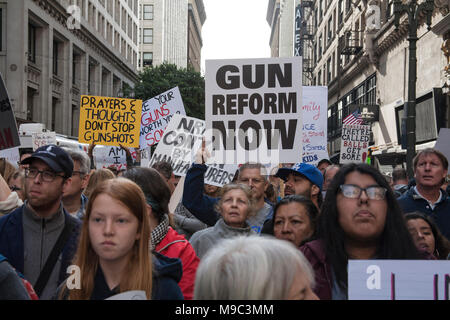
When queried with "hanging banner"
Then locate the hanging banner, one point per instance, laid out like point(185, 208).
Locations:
point(40, 139)
point(354, 143)
point(179, 144)
point(107, 156)
point(109, 121)
point(9, 136)
point(315, 122)
point(253, 110)
point(156, 114)
point(398, 279)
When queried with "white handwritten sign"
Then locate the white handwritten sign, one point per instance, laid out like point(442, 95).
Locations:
point(314, 114)
point(107, 156)
point(398, 280)
point(156, 114)
point(354, 143)
point(179, 144)
point(40, 139)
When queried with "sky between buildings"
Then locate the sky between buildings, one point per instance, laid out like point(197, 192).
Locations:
point(235, 29)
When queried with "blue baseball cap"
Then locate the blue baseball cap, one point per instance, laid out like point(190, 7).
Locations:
point(55, 157)
point(309, 171)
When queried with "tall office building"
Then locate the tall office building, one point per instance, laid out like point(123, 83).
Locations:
point(54, 51)
point(352, 47)
point(171, 32)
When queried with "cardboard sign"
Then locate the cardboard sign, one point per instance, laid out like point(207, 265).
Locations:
point(40, 139)
point(315, 122)
point(156, 114)
point(9, 136)
point(12, 155)
point(107, 156)
point(354, 143)
point(253, 110)
point(443, 143)
point(109, 121)
point(179, 144)
point(398, 279)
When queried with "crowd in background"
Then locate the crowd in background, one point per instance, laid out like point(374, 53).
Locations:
point(71, 231)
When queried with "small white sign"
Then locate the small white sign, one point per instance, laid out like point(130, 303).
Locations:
point(40, 139)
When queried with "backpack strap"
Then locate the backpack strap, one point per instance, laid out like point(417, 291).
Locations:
point(44, 276)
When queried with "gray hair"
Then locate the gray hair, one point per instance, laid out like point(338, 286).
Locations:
point(246, 189)
point(81, 157)
point(250, 268)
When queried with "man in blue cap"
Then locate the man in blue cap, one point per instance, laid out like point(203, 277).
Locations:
point(40, 238)
point(303, 179)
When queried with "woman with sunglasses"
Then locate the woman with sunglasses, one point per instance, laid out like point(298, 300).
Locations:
point(360, 219)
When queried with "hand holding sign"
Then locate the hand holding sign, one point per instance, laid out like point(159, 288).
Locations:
point(202, 154)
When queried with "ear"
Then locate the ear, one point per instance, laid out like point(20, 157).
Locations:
point(66, 184)
point(314, 190)
point(266, 184)
point(85, 181)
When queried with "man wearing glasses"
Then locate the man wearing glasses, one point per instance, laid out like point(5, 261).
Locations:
point(74, 201)
point(39, 238)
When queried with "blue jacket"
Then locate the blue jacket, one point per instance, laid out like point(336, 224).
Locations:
point(410, 202)
point(12, 247)
point(198, 203)
point(166, 275)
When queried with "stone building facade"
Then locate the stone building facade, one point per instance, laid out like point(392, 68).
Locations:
point(354, 48)
point(54, 51)
point(171, 32)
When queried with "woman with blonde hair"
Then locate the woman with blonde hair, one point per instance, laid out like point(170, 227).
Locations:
point(235, 206)
point(95, 178)
point(113, 252)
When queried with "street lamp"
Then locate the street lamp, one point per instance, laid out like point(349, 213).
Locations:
point(413, 9)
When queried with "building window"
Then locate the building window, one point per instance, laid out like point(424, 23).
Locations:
point(340, 12)
point(31, 43)
point(148, 12)
point(148, 35)
point(147, 59)
point(320, 46)
point(55, 57)
point(330, 30)
point(319, 78)
point(329, 70)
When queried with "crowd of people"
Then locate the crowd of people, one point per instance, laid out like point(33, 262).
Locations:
point(71, 231)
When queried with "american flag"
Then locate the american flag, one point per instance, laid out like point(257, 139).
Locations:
point(353, 118)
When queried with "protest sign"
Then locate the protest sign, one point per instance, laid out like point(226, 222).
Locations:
point(398, 280)
point(12, 155)
point(107, 156)
point(109, 121)
point(146, 155)
point(179, 144)
point(253, 110)
point(156, 114)
point(443, 144)
point(315, 122)
point(354, 143)
point(9, 136)
point(39, 139)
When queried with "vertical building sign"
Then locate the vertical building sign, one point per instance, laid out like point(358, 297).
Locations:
point(298, 50)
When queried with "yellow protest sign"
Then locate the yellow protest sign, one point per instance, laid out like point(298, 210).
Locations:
point(110, 121)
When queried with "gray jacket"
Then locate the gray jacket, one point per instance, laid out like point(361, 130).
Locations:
point(204, 240)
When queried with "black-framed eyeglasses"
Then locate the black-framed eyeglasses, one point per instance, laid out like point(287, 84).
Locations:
point(354, 192)
point(47, 176)
point(14, 188)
